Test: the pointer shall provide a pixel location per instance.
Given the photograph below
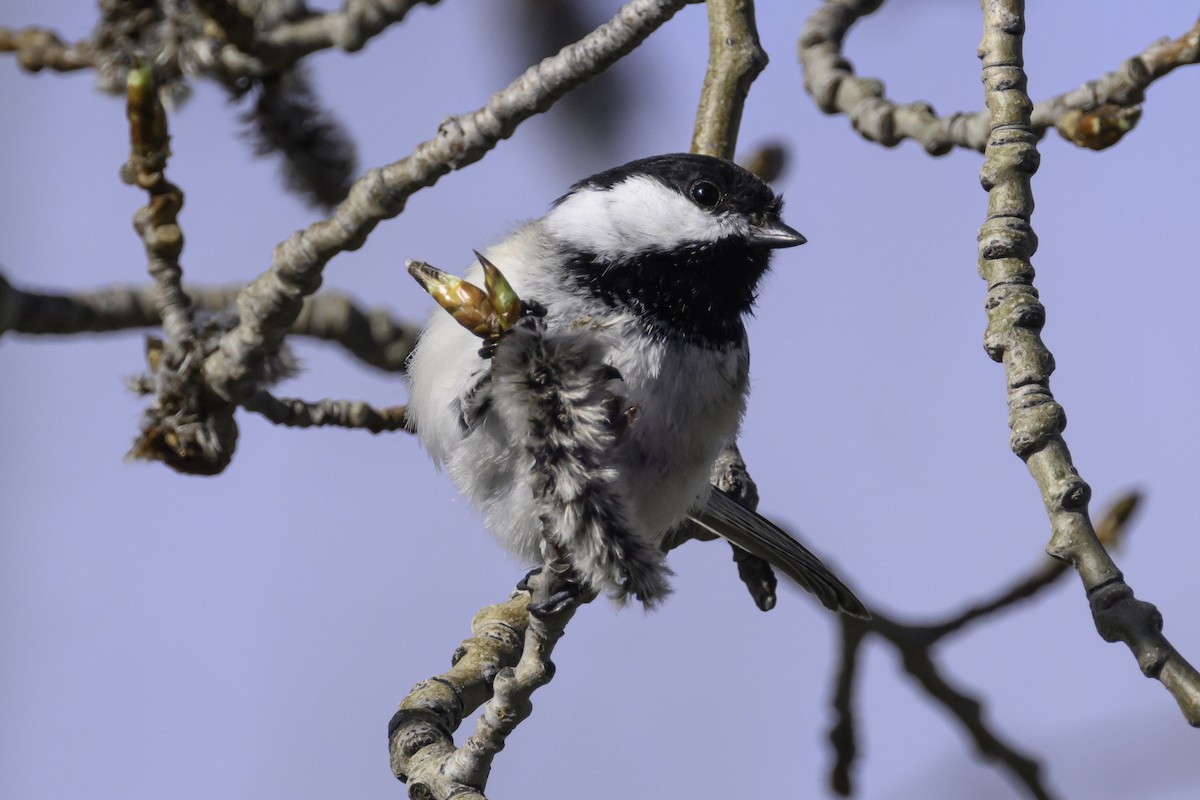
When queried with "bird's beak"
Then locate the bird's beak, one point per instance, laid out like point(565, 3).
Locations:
point(773, 234)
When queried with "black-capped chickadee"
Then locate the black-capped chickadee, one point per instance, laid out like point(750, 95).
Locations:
point(641, 275)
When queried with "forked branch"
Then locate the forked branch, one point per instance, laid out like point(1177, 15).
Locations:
point(1013, 337)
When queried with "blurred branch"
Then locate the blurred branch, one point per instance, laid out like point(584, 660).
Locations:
point(370, 335)
point(286, 118)
point(269, 304)
point(183, 426)
point(1111, 102)
point(39, 48)
point(157, 222)
point(915, 643)
point(769, 161)
point(254, 53)
point(296, 413)
point(1110, 531)
point(1015, 320)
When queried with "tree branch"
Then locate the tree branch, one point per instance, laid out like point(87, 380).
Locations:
point(735, 58)
point(252, 52)
point(268, 305)
point(514, 686)
point(831, 82)
point(370, 335)
point(420, 733)
point(295, 413)
point(1015, 319)
point(157, 222)
point(915, 643)
point(39, 48)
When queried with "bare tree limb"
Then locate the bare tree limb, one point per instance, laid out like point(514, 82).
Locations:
point(1015, 320)
point(183, 427)
point(514, 686)
point(247, 52)
point(735, 58)
point(420, 734)
point(831, 82)
point(915, 643)
point(1110, 530)
point(269, 304)
point(295, 413)
point(39, 48)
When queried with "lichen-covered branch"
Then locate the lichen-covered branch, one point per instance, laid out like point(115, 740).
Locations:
point(1095, 115)
point(420, 734)
point(508, 658)
point(551, 608)
point(269, 304)
point(371, 335)
point(157, 222)
point(1015, 319)
point(39, 48)
point(735, 58)
point(295, 413)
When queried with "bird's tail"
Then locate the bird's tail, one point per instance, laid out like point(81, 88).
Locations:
point(758, 535)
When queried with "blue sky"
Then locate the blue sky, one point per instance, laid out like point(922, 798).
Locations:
point(249, 635)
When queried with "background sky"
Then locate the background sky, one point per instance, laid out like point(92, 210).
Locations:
point(249, 635)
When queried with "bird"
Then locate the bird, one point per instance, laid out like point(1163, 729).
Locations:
point(595, 417)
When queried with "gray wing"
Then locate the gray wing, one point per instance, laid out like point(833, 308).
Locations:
point(758, 535)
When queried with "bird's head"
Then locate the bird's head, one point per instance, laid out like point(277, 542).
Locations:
point(680, 240)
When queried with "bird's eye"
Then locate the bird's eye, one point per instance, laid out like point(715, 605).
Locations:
point(704, 193)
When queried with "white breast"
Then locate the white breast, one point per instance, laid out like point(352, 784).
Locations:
point(690, 400)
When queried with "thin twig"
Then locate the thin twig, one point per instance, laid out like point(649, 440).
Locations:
point(295, 413)
point(842, 735)
point(157, 222)
point(1015, 319)
point(269, 304)
point(915, 642)
point(831, 82)
point(1110, 531)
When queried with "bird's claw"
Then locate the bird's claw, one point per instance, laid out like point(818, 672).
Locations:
point(558, 601)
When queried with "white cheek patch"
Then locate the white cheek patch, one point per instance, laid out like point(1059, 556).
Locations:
point(638, 215)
